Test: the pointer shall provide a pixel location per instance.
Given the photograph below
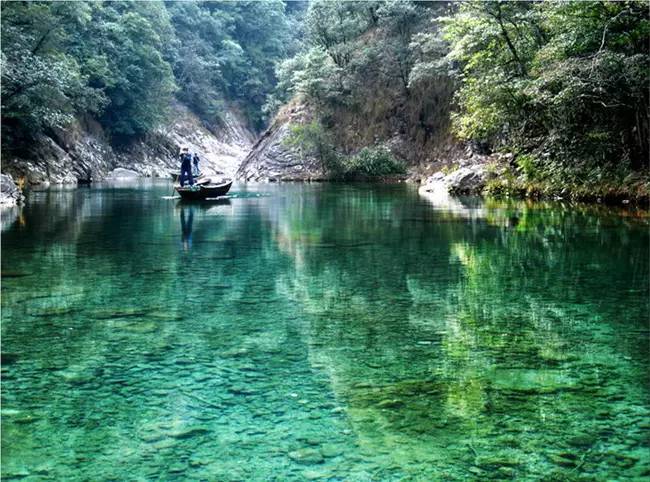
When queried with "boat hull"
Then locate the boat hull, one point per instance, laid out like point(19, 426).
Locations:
point(204, 191)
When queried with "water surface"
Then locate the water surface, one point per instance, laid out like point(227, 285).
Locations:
point(322, 332)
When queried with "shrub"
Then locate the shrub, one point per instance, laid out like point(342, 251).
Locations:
point(526, 164)
point(373, 162)
point(313, 139)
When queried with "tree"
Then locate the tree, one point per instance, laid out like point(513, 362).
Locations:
point(42, 86)
point(567, 80)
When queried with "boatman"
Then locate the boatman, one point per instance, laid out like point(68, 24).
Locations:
point(186, 167)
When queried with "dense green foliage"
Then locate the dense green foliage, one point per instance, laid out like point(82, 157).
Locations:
point(565, 80)
point(563, 85)
point(123, 62)
point(372, 162)
point(356, 73)
point(313, 139)
point(228, 50)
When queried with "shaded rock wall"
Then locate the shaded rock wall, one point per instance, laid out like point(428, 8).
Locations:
point(82, 150)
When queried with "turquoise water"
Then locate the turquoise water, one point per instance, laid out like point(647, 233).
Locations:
point(325, 332)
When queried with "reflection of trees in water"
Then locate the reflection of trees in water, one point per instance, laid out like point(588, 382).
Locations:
point(436, 329)
point(434, 324)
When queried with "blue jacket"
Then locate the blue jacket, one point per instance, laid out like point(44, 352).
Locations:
point(186, 160)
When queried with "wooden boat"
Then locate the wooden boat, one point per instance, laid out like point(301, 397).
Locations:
point(202, 191)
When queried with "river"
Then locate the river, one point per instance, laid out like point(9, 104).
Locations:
point(322, 332)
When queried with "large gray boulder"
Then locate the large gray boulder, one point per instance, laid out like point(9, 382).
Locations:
point(465, 180)
point(10, 193)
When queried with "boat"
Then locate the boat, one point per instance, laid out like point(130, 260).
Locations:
point(203, 191)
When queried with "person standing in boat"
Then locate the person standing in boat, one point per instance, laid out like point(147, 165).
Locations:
point(196, 172)
point(186, 167)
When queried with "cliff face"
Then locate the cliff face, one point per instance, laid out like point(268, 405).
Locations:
point(271, 159)
point(83, 150)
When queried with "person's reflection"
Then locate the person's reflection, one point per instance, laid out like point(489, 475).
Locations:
point(186, 228)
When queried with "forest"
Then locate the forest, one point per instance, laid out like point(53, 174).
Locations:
point(124, 62)
point(561, 85)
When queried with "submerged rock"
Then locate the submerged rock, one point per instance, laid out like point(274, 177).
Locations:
point(177, 467)
point(331, 450)
point(562, 461)
point(497, 460)
point(189, 432)
point(394, 403)
point(316, 475)
point(582, 440)
point(306, 456)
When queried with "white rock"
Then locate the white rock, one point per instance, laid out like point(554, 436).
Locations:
point(10, 193)
point(121, 173)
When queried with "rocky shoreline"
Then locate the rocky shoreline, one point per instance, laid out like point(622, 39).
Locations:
point(83, 152)
point(10, 194)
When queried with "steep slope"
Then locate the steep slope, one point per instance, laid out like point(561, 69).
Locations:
point(82, 150)
point(271, 159)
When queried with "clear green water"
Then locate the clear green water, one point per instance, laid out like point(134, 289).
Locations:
point(322, 332)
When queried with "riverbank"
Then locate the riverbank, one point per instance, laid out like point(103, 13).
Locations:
point(504, 176)
point(632, 187)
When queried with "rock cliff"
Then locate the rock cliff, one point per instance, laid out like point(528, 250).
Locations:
point(271, 159)
point(82, 150)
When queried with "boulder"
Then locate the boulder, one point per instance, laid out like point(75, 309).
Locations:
point(306, 456)
point(10, 193)
point(121, 173)
point(465, 180)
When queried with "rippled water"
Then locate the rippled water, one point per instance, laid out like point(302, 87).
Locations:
point(326, 332)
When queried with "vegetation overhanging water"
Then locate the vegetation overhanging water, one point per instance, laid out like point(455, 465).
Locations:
point(337, 332)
